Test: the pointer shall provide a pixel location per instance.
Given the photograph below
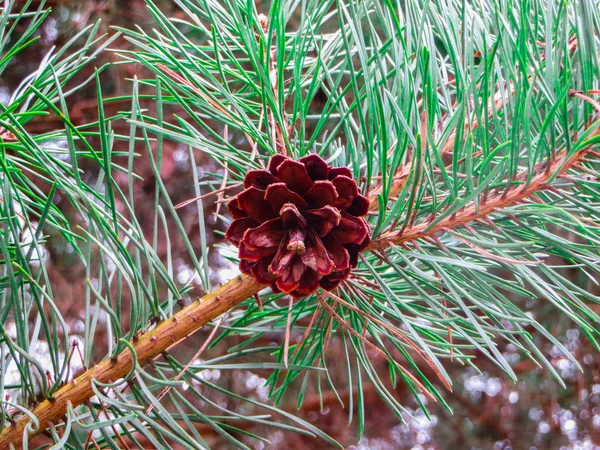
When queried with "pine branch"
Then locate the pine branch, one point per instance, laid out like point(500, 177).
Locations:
point(214, 304)
point(513, 195)
point(495, 105)
point(147, 347)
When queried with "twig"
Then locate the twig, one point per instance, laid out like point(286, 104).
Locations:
point(208, 194)
point(589, 100)
point(476, 210)
point(148, 346)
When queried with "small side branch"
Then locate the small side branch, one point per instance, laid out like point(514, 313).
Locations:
point(401, 175)
point(480, 210)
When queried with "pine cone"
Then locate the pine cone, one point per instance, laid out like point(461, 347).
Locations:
point(298, 224)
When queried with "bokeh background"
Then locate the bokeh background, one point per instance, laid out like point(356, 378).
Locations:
point(490, 412)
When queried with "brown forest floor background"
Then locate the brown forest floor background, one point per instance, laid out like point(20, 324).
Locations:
point(490, 412)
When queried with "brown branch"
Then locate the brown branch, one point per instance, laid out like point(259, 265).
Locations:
point(494, 105)
point(480, 210)
point(148, 346)
point(401, 175)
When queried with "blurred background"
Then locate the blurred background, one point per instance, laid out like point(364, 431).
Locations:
point(490, 412)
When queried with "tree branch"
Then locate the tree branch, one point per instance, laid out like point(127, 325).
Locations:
point(148, 346)
point(486, 206)
point(212, 305)
point(401, 175)
point(494, 106)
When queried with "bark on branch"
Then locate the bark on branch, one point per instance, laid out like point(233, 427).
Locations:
point(148, 346)
point(486, 206)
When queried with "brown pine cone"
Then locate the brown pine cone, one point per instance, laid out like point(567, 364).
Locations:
point(298, 224)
